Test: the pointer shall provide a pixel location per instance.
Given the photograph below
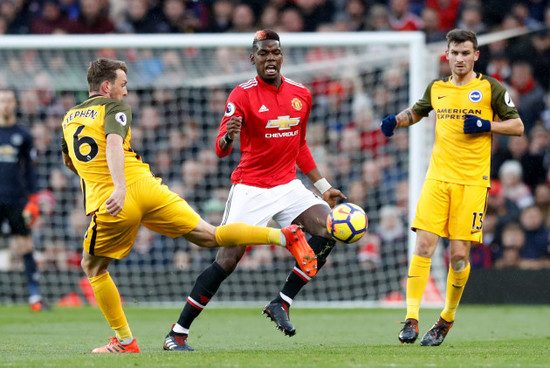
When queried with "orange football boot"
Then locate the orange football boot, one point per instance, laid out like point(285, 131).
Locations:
point(300, 249)
point(114, 346)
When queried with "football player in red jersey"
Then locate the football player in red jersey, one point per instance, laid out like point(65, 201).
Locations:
point(270, 114)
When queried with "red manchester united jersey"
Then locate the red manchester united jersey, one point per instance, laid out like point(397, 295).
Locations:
point(273, 132)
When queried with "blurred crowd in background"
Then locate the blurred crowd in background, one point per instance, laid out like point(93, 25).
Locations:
point(370, 169)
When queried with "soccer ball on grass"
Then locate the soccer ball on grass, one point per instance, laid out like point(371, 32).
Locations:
point(347, 223)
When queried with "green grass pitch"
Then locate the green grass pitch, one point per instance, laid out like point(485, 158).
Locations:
point(483, 336)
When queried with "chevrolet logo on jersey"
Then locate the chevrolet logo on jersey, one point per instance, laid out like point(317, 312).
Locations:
point(283, 122)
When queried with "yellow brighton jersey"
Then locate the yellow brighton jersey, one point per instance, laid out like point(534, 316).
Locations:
point(458, 157)
point(85, 130)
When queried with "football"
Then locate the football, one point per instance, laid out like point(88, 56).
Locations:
point(347, 223)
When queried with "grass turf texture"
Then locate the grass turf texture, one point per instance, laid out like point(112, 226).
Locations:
point(483, 336)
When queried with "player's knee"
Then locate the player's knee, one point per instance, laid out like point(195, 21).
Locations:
point(92, 267)
point(228, 264)
point(228, 258)
point(86, 265)
point(458, 263)
point(424, 249)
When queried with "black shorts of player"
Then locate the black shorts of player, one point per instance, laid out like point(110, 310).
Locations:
point(14, 215)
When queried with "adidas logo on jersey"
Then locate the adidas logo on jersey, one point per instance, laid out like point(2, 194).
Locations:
point(263, 109)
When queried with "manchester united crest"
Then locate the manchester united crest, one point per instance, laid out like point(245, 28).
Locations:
point(296, 103)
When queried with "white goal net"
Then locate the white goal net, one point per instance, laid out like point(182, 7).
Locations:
point(178, 85)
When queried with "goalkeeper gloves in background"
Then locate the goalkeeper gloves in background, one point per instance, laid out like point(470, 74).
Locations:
point(388, 125)
point(474, 124)
point(31, 210)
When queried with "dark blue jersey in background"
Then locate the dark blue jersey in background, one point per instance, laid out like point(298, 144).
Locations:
point(17, 173)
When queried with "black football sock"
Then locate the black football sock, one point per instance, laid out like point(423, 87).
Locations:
point(31, 272)
point(204, 289)
point(296, 279)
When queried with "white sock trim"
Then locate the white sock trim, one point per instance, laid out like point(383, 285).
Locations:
point(285, 298)
point(302, 274)
point(127, 341)
point(179, 329)
point(195, 303)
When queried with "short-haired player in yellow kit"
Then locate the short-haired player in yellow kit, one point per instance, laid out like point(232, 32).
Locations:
point(121, 194)
point(470, 108)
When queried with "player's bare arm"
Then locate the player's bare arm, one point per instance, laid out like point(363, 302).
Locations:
point(69, 163)
point(407, 118)
point(507, 127)
point(115, 161)
point(330, 194)
point(233, 129)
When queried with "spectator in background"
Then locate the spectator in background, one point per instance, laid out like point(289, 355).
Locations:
point(510, 175)
point(530, 154)
point(471, 19)
point(291, 21)
point(138, 19)
point(367, 125)
point(393, 244)
point(355, 15)
point(379, 18)
point(377, 194)
point(401, 18)
point(269, 17)
point(30, 108)
point(163, 165)
point(71, 8)
point(541, 56)
point(53, 20)
point(343, 170)
point(505, 209)
point(368, 253)
point(430, 25)
point(46, 152)
point(520, 46)
point(357, 193)
point(3, 25)
point(536, 9)
point(493, 10)
point(520, 10)
point(93, 19)
point(192, 175)
point(531, 95)
point(244, 19)
point(221, 16)
point(542, 201)
point(315, 12)
point(173, 16)
point(401, 198)
point(537, 238)
point(17, 18)
point(513, 241)
point(537, 160)
point(447, 11)
point(499, 66)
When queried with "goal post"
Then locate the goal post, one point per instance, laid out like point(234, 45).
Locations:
point(178, 83)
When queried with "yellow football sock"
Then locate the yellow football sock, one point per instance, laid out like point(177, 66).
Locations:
point(455, 287)
point(417, 279)
point(244, 234)
point(108, 300)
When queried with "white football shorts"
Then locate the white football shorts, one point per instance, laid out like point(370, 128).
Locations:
point(256, 206)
